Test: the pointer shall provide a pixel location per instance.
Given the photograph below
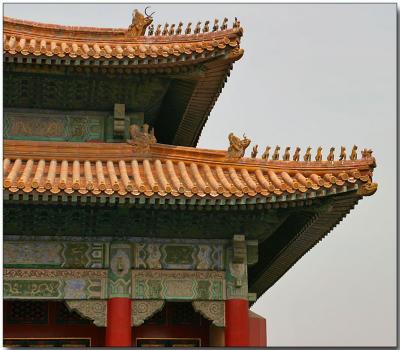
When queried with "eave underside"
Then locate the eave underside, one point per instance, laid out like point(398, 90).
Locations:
point(284, 233)
point(293, 239)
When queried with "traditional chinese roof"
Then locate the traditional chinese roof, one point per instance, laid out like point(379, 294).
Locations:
point(174, 78)
point(82, 189)
point(117, 171)
point(52, 40)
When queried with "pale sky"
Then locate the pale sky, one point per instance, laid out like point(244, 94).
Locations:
point(311, 74)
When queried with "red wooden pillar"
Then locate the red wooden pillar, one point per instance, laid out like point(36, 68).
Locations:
point(119, 331)
point(257, 330)
point(236, 322)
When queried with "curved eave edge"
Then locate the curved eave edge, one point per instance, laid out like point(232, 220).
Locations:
point(184, 135)
point(257, 201)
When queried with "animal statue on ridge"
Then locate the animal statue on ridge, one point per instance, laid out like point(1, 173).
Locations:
point(140, 22)
point(237, 147)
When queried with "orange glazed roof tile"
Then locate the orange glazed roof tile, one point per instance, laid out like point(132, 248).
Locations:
point(99, 169)
point(39, 39)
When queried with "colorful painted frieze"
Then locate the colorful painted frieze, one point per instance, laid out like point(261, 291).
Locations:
point(54, 284)
point(178, 285)
point(45, 254)
point(179, 256)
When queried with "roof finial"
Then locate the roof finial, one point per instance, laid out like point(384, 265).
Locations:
point(275, 156)
point(307, 156)
point(331, 155)
point(197, 29)
point(216, 26)
point(237, 147)
point(318, 156)
point(286, 155)
point(151, 29)
point(150, 15)
point(206, 28)
point(188, 30)
point(296, 155)
point(172, 29)
point(254, 151)
point(143, 139)
point(353, 155)
point(139, 23)
point(165, 31)
point(158, 30)
point(224, 24)
point(343, 155)
point(265, 155)
point(179, 29)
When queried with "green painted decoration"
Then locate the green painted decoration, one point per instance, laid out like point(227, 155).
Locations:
point(54, 284)
point(42, 254)
point(19, 126)
point(178, 285)
point(181, 256)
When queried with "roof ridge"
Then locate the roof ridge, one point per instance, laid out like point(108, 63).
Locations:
point(103, 151)
point(167, 32)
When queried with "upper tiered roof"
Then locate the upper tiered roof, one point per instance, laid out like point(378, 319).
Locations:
point(173, 74)
point(51, 40)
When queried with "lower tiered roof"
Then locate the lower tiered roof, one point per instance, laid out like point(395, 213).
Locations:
point(94, 190)
point(114, 170)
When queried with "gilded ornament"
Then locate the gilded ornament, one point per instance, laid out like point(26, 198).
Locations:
point(165, 30)
point(343, 155)
point(265, 155)
point(237, 146)
point(215, 26)
point(353, 155)
point(275, 156)
point(179, 29)
point(296, 155)
point(254, 151)
point(172, 29)
point(366, 153)
point(141, 140)
point(286, 155)
point(224, 24)
point(331, 155)
point(307, 156)
point(139, 23)
point(158, 30)
point(367, 189)
point(188, 29)
point(197, 28)
point(151, 29)
point(318, 156)
point(206, 27)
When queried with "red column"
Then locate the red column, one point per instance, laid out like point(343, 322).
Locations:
point(236, 322)
point(119, 331)
point(257, 330)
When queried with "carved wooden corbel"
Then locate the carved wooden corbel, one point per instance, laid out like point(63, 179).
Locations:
point(211, 310)
point(95, 310)
point(144, 309)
